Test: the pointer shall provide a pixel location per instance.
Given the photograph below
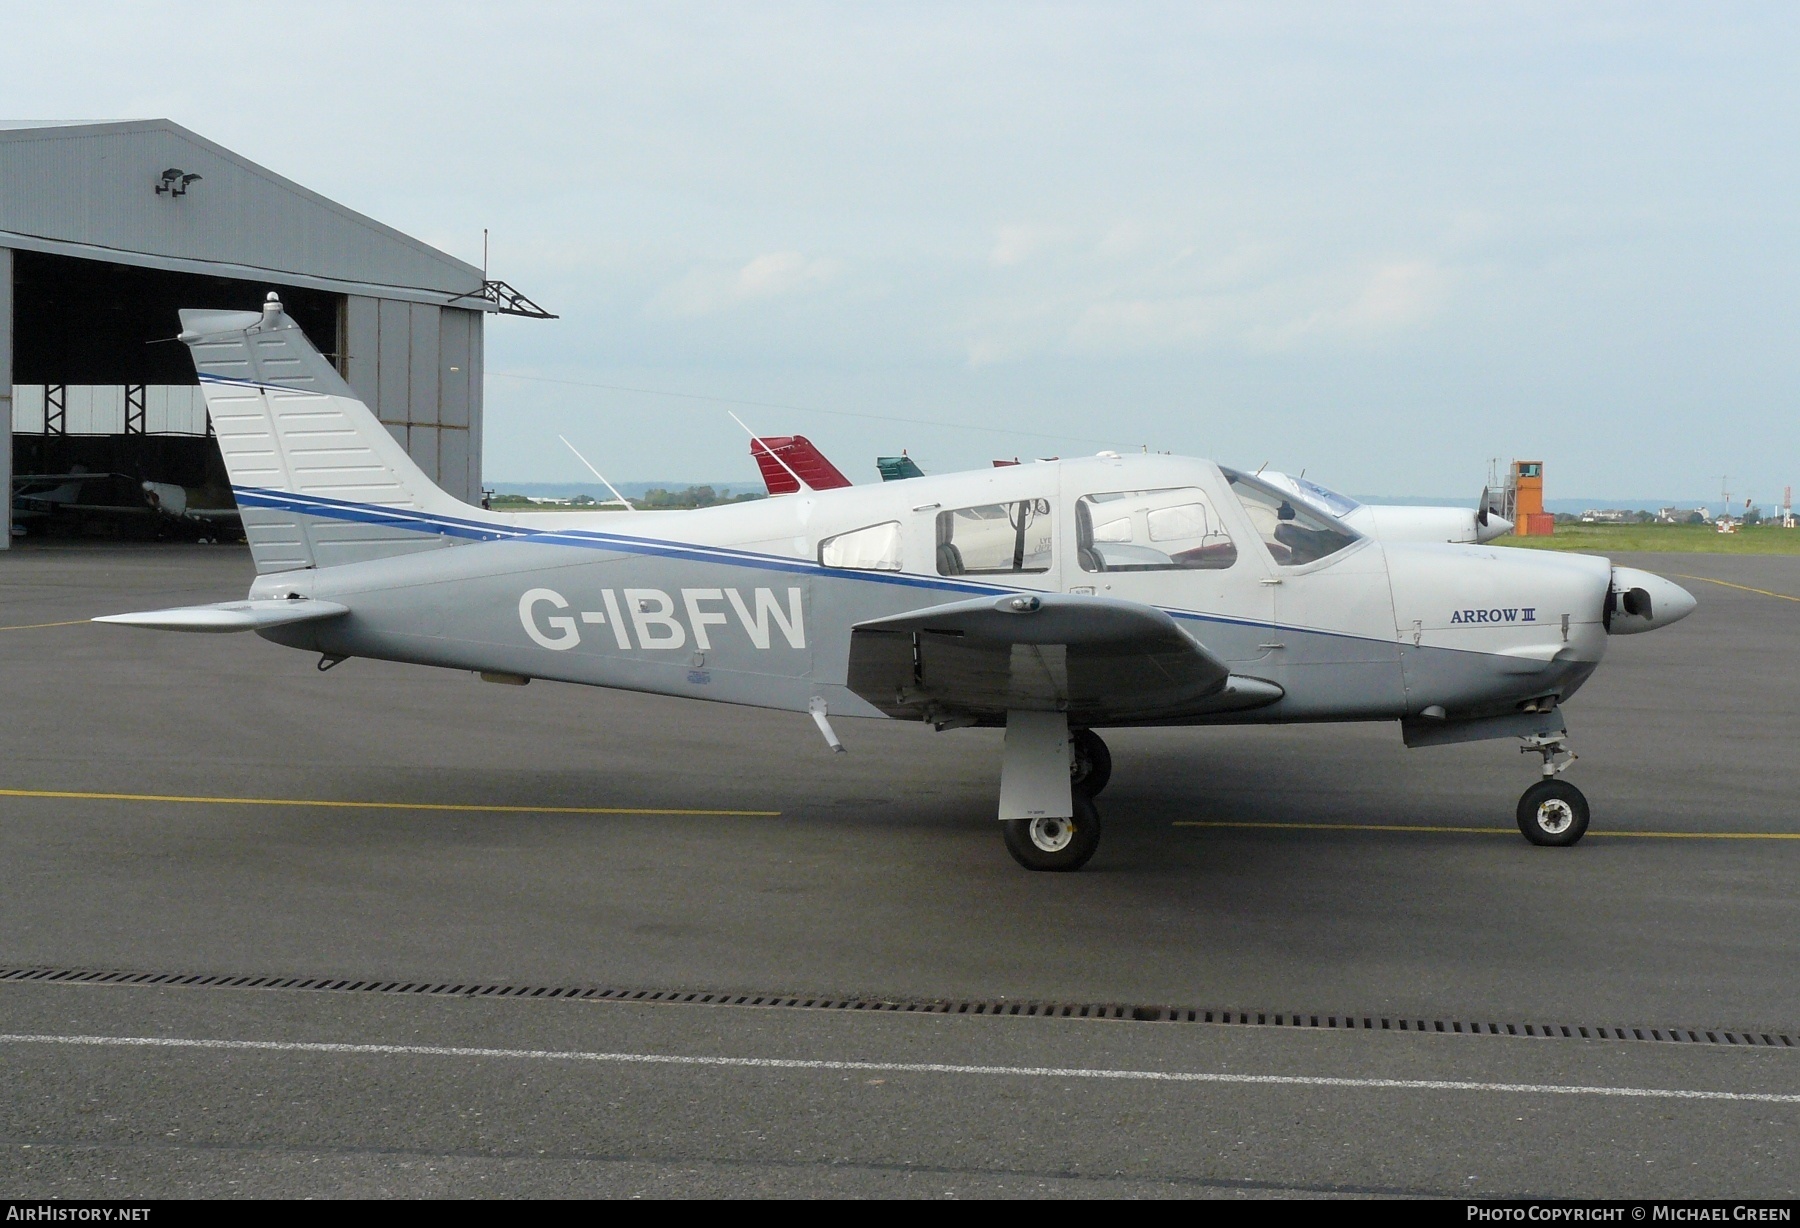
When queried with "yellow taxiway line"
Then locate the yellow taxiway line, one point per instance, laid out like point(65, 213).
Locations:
point(1728, 584)
point(1409, 829)
point(333, 805)
point(73, 622)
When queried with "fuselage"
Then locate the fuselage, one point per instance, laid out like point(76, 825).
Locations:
point(755, 603)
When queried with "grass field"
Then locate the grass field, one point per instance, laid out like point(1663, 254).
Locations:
point(1669, 538)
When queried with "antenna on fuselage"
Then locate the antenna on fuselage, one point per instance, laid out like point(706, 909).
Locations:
point(756, 439)
point(584, 460)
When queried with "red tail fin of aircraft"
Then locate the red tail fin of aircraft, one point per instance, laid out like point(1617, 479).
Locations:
point(777, 454)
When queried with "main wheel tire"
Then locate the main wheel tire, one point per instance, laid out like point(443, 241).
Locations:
point(1055, 844)
point(1090, 766)
point(1553, 812)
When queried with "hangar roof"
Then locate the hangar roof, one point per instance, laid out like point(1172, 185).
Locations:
point(91, 190)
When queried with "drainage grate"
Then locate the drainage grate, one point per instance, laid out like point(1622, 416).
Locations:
point(1039, 1010)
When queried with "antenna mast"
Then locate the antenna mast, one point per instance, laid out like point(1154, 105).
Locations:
point(756, 439)
point(584, 460)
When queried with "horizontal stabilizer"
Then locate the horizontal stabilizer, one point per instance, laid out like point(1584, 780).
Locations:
point(230, 615)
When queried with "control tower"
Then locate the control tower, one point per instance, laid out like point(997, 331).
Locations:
point(1525, 500)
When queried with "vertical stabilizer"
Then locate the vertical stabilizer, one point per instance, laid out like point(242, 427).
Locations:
point(785, 458)
point(318, 479)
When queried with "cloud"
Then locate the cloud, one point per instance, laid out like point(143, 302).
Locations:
point(1017, 244)
point(1134, 325)
point(1397, 295)
point(710, 289)
point(1370, 304)
point(1170, 308)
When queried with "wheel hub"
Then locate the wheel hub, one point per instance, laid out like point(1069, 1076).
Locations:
point(1052, 835)
point(1555, 816)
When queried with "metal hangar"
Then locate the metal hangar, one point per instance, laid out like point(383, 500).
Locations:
point(108, 229)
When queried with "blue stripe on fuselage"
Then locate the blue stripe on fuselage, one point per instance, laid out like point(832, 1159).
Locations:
point(485, 531)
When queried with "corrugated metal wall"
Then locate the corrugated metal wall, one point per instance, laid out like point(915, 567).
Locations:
point(95, 184)
point(419, 368)
point(103, 409)
point(6, 383)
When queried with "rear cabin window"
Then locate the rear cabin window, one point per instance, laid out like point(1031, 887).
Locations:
point(876, 548)
point(995, 539)
point(1294, 533)
point(1176, 529)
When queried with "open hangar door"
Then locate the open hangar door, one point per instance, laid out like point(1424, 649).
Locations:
point(110, 437)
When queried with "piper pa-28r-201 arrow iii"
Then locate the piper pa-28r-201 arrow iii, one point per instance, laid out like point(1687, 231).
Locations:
point(1397, 523)
point(1051, 599)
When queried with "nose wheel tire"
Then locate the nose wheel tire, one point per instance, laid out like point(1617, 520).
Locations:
point(1553, 812)
point(1055, 844)
point(1090, 764)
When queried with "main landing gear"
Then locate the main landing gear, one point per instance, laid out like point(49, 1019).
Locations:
point(1553, 811)
point(1050, 768)
point(1055, 844)
point(1090, 763)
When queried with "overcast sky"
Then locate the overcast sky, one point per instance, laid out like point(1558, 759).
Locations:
point(1380, 243)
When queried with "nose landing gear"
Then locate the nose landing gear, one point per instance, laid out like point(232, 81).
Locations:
point(1552, 812)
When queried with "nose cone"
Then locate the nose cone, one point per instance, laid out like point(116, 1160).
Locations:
point(1644, 601)
point(1494, 526)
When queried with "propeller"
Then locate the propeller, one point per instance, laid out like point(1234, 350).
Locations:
point(1481, 509)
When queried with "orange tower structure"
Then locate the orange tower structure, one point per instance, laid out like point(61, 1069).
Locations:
point(1530, 519)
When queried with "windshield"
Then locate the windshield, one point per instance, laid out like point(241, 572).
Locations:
point(1294, 534)
point(1324, 498)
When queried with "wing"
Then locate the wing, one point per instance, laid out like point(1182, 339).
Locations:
point(1101, 660)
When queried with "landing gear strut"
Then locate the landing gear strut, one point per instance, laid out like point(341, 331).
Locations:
point(1090, 763)
point(1553, 811)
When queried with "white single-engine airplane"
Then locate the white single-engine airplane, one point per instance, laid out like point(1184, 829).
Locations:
point(1392, 522)
point(1053, 599)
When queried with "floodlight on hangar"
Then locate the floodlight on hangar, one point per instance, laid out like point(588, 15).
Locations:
point(93, 269)
point(175, 182)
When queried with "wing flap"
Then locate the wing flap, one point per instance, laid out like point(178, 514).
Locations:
point(230, 615)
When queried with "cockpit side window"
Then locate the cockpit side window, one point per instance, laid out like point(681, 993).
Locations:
point(1151, 530)
point(876, 548)
point(1294, 533)
point(995, 539)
